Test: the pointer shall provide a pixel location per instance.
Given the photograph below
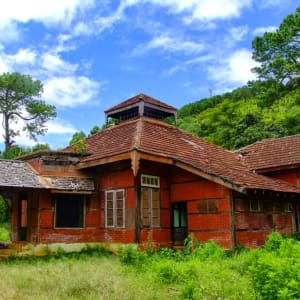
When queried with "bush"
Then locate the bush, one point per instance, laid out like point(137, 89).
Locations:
point(274, 241)
point(208, 250)
point(4, 234)
point(275, 277)
point(131, 254)
point(275, 273)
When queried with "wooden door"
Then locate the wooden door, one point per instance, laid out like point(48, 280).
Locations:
point(179, 226)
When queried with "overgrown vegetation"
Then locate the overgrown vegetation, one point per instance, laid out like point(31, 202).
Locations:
point(201, 271)
point(245, 115)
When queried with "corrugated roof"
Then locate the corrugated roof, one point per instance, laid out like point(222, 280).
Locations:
point(15, 173)
point(163, 140)
point(272, 153)
point(138, 98)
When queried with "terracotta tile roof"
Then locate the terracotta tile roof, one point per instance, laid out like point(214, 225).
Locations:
point(137, 99)
point(14, 173)
point(272, 153)
point(163, 140)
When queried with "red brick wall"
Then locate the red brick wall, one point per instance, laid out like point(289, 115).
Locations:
point(208, 207)
point(253, 227)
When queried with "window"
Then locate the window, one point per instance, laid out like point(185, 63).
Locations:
point(288, 207)
point(150, 201)
point(69, 211)
point(115, 209)
point(207, 206)
point(150, 207)
point(150, 181)
point(254, 205)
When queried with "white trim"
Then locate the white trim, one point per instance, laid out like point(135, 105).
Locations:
point(150, 181)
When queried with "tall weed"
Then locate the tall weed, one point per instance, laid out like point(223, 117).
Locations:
point(275, 273)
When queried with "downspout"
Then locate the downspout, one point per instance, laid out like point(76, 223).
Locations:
point(232, 217)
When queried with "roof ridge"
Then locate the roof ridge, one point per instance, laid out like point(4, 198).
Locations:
point(268, 140)
point(138, 134)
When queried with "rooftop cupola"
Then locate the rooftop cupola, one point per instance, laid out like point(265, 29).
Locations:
point(139, 106)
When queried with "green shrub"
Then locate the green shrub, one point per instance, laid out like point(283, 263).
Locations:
point(168, 253)
point(275, 273)
point(131, 254)
point(4, 234)
point(167, 272)
point(275, 277)
point(208, 250)
point(273, 242)
point(189, 291)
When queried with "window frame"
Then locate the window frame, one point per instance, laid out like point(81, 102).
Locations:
point(288, 207)
point(255, 208)
point(151, 181)
point(56, 214)
point(115, 209)
point(150, 208)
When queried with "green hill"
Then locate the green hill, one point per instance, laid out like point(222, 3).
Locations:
point(248, 114)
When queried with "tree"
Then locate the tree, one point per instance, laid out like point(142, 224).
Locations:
point(77, 136)
point(94, 130)
point(16, 150)
point(279, 52)
point(20, 100)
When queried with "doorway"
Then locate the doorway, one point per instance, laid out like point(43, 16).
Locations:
point(22, 217)
point(179, 220)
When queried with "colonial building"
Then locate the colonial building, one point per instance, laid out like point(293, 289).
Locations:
point(142, 177)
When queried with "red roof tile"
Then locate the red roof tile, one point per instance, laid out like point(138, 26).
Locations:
point(137, 99)
point(279, 153)
point(159, 139)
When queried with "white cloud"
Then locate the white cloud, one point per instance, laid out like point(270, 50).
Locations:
point(54, 127)
point(238, 33)
point(48, 12)
point(4, 66)
point(171, 44)
point(262, 30)
point(23, 58)
point(55, 65)
point(275, 3)
point(233, 71)
point(8, 31)
point(58, 126)
point(70, 90)
point(203, 10)
point(200, 59)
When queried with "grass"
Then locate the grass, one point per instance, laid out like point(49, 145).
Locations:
point(207, 273)
point(100, 276)
point(73, 278)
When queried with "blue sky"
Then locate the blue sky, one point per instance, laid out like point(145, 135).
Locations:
point(91, 55)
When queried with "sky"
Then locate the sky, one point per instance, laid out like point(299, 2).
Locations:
point(91, 55)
